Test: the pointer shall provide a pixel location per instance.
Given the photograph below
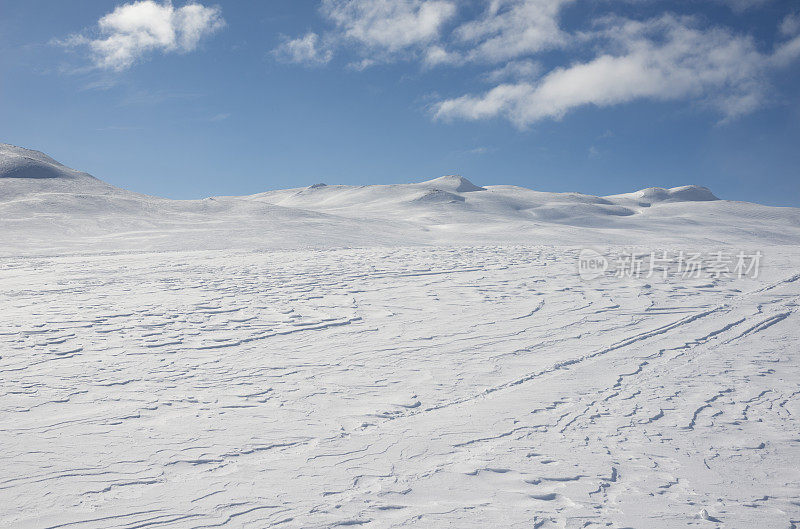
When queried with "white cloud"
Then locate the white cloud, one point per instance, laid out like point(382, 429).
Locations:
point(478, 151)
point(384, 30)
point(391, 25)
point(740, 6)
point(515, 70)
point(604, 61)
point(786, 53)
point(513, 28)
point(437, 55)
point(134, 30)
point(662, 59)
point(378, 30)
point(790, 26)
point(304, 50)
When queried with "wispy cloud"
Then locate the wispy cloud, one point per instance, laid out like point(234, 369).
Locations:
point(389, 25)
point(133, 31)
point(509, 29)
point(477, 151)
point(667, 58)
point(515, 71)
point(739, 6)
point(156, 97)
point(607, 61)
point(380, 31)
point(303, 50)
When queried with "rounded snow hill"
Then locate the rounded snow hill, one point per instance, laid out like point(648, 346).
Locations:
point(25, 172)
point(652, 195)
point(45, 205)
point(437, 196)
point(452, 183)
point(17, 162)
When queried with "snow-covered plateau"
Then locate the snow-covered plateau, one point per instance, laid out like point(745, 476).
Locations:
point(416, 355)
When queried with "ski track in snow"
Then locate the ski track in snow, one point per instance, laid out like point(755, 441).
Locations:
point(400, 387)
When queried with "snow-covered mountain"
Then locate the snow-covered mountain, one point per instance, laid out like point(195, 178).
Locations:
point(45, 206)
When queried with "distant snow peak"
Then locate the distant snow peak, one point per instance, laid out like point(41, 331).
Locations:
point(47, 207)
point(690, 193)
point(682, 193)
point(453, 183)
point(644, 198)
point(17, 162)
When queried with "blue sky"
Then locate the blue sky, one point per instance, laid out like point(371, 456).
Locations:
point(598, 96)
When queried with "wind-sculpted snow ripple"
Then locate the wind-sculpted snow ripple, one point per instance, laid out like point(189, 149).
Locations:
point(476, 386)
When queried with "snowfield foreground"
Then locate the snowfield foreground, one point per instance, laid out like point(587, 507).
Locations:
point(406, 387)
point(421, 355)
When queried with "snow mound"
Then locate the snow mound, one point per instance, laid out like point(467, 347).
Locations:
point(579, 213)
point(652, 195)
point(29, 173)
point(437, 196)
point(16, 162)
point(452, 183)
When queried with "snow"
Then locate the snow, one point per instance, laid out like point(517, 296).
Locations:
point(420, 354)
point(676, 194)
point(72, 212)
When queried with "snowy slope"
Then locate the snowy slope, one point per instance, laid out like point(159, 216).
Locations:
point(410, 387)
point(454, 370)
point(46, 207)
point(455, 208)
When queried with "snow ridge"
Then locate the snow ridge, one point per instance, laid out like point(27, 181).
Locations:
point(46, 204)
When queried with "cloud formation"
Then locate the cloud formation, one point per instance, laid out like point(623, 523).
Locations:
point(607, 61)
point(304, 50)
point(132, 31)
point(512, 28)
point(392, 25)
point(662, 59)
point(379, 30)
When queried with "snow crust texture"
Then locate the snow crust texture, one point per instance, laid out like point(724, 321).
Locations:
point(406, 387)
point(416, 355)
